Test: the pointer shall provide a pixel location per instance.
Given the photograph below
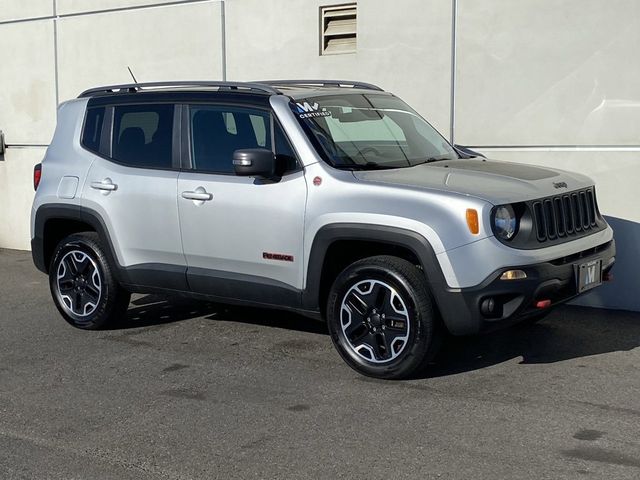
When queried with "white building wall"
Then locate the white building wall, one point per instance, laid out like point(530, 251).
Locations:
point(403, 46)
point(27, 114)
point(96, 49)
point(27, 79)
point(535, 81)
point(54, 49)
point(12, 10)
point(557, 84)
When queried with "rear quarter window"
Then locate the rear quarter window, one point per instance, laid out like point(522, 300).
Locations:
point(92, 131)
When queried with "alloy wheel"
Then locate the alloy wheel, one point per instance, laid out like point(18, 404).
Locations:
point(375, 321)
point(79, 286)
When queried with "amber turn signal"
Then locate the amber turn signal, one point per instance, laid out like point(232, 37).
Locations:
point(472, 221)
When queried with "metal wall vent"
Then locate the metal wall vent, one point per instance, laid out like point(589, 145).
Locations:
point(338, 29)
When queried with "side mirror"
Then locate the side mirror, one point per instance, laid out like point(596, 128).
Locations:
point(467, 152)
point(2, 145)
point(254, 162)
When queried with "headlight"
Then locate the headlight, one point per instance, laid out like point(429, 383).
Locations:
point(505, 222)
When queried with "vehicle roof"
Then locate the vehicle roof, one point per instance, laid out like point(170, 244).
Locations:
point(293, 88)
point(179, 96)
point(298, 93)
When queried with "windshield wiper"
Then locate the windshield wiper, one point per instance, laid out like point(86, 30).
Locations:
point(433, 159)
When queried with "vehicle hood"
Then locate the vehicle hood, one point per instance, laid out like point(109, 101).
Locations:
point(497, 182)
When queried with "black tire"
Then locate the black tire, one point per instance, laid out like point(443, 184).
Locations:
point(359, 289)
point(87, 294)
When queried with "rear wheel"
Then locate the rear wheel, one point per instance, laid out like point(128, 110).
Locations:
point(82, 283)
point(381, 318)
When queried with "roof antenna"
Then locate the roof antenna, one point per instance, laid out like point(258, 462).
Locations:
point(132, 75)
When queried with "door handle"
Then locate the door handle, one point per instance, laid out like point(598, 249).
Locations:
point(199, 194)
point(105, 185)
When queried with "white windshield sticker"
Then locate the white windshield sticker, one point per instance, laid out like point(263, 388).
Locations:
point(311, 110)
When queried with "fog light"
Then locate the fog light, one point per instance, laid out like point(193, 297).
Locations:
point(488, 307)
point(513, 275)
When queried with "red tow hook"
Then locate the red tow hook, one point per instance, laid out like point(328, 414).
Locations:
point(607, 277)
point(543, 303)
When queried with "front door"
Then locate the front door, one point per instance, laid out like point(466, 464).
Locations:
point(242, 237)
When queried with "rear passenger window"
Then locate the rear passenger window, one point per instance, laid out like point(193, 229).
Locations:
point(142, 135)
point(93, 129)
point(217, 132)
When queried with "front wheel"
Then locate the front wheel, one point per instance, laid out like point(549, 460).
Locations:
point(82, 283)
point(382, 319)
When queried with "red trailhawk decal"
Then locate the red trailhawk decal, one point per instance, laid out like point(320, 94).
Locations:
point(277, 256)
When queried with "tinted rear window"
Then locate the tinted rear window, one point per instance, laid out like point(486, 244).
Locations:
point(93, 129)
point(142, 135)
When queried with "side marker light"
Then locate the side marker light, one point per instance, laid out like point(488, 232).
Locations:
point(472, 221)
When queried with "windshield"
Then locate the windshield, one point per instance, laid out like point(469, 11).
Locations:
point(370, 131)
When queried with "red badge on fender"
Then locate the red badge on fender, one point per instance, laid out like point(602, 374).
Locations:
point(277, 256)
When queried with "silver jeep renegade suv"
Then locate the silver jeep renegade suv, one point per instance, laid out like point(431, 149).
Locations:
point(333, 199)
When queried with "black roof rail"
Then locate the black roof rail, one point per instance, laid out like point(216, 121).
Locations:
point(321, 83)
point(134, 87)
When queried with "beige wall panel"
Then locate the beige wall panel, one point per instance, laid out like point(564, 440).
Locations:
point(404, 46)
point(548, 72)
point(27, 82)
point(16, 196)
point(179, 42)
point(616, 175)
point(76, 6)
point(23, 9)
point(614, 172)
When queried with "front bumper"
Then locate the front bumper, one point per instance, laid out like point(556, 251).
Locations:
point(515, 300)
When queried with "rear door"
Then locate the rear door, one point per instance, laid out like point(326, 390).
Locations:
point(132, 185)
point(243, 238)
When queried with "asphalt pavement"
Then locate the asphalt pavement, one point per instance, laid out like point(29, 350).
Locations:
point(192, 390)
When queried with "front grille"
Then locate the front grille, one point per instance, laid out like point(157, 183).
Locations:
point(568, 215)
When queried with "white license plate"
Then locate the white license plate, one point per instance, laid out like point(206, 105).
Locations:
point(589, 275)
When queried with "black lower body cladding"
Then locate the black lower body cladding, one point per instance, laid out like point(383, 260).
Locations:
point(461, 309)
point(468, 311)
